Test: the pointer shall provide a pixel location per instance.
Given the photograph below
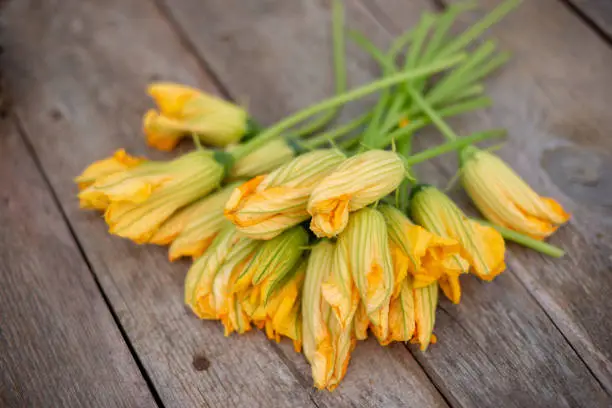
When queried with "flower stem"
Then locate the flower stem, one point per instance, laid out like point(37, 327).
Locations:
point(526, 241)
point(433, 115)
point(454, 145)
point(336, 132)
point(276, 129)
point(339, 72)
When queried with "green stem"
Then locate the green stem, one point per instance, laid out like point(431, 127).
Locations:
point(526, 241)
point(292, 120)
point(339, 73)
point(433, 115)
point(335, 133)
point(478, 28)
point(453, 145)
point(416, 124)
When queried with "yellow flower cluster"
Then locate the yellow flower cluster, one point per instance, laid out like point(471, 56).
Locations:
point(309, 248)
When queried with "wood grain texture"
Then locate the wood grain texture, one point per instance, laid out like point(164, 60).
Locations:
point(59, 345)
point(597, 12)
point(499, 343)
point(279, 54)
point(552, 97)
point(78, 82)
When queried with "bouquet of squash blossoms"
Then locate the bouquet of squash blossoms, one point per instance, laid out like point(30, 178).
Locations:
point(326, 236)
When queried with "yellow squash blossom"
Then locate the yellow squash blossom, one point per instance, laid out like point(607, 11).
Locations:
point(425, 304)
point(139, 219)
point(402, 321)
point(191, 230)
point(317, 340)
point(281, 313)
point(370, 264)
point(267, 205)
point(199, 279)
point(135, 184)
point(263, 160)
point(119, 161)
point(426, 256)
point(481, 246)
point(338, 288)
point(343, 342)
point(504, 198)
point(227, 305)
point(274, 260)
point(184, 111)
point(361, 322)
point(356, 183)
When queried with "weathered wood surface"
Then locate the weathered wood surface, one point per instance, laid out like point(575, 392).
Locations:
point(499, 337)
point(538, 336)
point(59, 345)
point(596, 12)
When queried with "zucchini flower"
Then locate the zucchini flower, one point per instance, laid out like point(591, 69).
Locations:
point(504, 198)
point(184, 111)
point(274, 260)
point(426, 256)
point(402, 313)
point(281, 314)
point(267, 205)
point(143, 198)
point(338, 288)
point(356, 183)
point(192, 229)
point(481, 246)
point(425, 304)
point(343, 342)
point(317, 340)
point(119, 161)
point(263, 160)
point(370, 265)
point(200, 277)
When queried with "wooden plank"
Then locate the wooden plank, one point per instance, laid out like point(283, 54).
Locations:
point(476, 366)
point(596, 12)
point(278, 53)
point(59, 345)
point(552, 97)
point(77, 81)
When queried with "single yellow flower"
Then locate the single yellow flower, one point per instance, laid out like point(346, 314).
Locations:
point(402, 320)
point(338, 288)
point(343, 342)
point(281, 313)
point(119, 161)
point(185, 111)
point(274, 260)
point(354, 184)
point(227, 305)
point(317, 340)
point(426, 256)
point(137, 183)
point(200, 277)
point(267, 205)
point(370, 264)
point(505, 199)
point(192, 229)
point(138, 219)
point(263, 160)
point(425, 304)
point(481, 246)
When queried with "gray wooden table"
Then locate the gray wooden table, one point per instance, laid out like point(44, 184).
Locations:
point(88, 320)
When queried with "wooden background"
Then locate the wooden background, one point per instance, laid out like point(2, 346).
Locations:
point(87, 319)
